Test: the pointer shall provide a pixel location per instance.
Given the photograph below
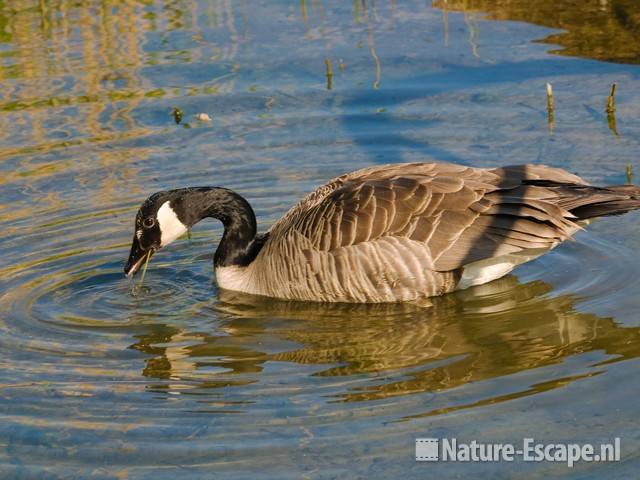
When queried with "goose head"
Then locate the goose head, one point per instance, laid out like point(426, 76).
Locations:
point(167, 215)
point(160, 220)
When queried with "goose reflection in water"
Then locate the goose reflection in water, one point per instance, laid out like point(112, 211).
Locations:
point(490, 331)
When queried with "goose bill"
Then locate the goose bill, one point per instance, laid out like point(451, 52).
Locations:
point(136, 258)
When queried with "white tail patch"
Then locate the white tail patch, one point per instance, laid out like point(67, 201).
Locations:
point(484, 271)
point(170, 226)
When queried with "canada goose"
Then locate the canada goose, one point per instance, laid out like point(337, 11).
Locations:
point(391, 233)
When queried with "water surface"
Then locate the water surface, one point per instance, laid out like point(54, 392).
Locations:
point(182, 379)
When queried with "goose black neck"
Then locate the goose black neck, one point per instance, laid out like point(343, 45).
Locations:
point(239, 245)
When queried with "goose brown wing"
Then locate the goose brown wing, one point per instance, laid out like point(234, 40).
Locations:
point(460, 214)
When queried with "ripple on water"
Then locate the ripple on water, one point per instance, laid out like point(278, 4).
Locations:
point(183, 379)
point(73, 280)
point(591, 267)
point(207, 371)
point(204, 369)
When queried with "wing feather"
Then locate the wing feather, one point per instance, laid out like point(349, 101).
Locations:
point(453, 214)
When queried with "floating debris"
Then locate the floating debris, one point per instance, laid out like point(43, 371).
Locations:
point(203, 117)
point(269, 103)
point(177, 114)
point(341, 65)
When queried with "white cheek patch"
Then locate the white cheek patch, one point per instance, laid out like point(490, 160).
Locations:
point(170, 226)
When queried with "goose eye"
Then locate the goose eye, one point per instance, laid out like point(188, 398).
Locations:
point(148, 222)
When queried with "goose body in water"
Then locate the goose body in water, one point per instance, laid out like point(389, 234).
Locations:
point(391, 233)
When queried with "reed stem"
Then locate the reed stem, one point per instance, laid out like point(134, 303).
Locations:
point(144, 269)
point(329, 73)
point(549, 98)
point(550, 107)
point(611, 101)
point(611, 110)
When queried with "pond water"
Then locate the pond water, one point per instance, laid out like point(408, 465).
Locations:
point(183, 380)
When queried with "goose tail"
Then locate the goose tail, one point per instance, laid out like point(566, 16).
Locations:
point(613, 200)
point(586, 202)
